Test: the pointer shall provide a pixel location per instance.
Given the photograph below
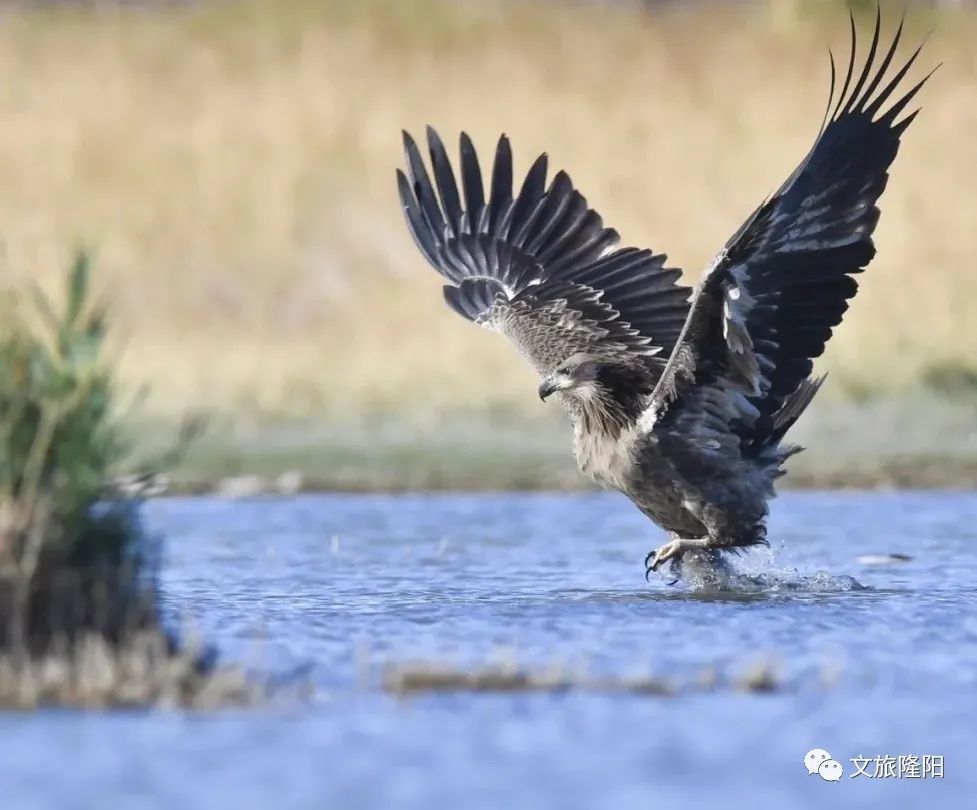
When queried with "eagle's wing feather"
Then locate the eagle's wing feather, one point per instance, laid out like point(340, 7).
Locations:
point(768, 304)
point(536, 266)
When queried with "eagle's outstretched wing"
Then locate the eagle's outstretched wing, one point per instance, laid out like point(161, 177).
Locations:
point(537, 266)
point(769, 302)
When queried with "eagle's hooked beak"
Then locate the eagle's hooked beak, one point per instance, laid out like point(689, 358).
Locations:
point(554, 383)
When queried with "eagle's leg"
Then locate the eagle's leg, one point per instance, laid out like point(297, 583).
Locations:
point(674, 549)
point(721, 537)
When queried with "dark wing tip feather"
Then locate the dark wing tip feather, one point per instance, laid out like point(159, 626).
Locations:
point(415, 220)
point(530, 195)
point(411, 152)
point(500, 194)
point(561, 180)
point(880, 99)
point(893, 112)
point(444, 176)
point(471, 180)
point(886, 61)
point(865, 97)
point(867, 67)
point(831, 92)
point(903, 125)
point(423, 190)
point(851, 65)
point(535, 181)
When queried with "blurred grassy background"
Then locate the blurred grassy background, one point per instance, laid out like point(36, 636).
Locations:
point(232, 164)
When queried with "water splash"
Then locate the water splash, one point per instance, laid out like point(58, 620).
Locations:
point(712, 572)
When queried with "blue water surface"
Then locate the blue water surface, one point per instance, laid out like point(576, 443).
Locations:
point(332, 589)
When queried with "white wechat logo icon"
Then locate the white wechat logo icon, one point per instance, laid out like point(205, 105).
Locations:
point(830, 770)
point(819, 761)
point(814, 758)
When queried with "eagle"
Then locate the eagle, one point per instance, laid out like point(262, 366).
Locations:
point(679, 398)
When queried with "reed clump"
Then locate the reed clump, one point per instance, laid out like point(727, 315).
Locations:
point(79, 616)
point(760, 676)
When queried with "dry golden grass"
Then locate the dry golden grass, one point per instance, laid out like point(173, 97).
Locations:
point(141, 672)
point(233, 165)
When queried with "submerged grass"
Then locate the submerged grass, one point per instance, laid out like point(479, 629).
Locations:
point(234, 162)
point(143, 670)
point(79, 616)
point(409, 679)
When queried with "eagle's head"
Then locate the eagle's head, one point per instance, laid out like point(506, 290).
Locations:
point(593, 379)
point(578, 373)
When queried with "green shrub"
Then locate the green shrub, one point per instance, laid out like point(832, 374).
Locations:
point(79, 623)
point(73, 556)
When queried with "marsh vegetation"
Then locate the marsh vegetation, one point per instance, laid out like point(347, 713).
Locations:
point(79, 611)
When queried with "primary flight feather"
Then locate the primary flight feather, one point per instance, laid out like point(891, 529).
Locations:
point(679, 399)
